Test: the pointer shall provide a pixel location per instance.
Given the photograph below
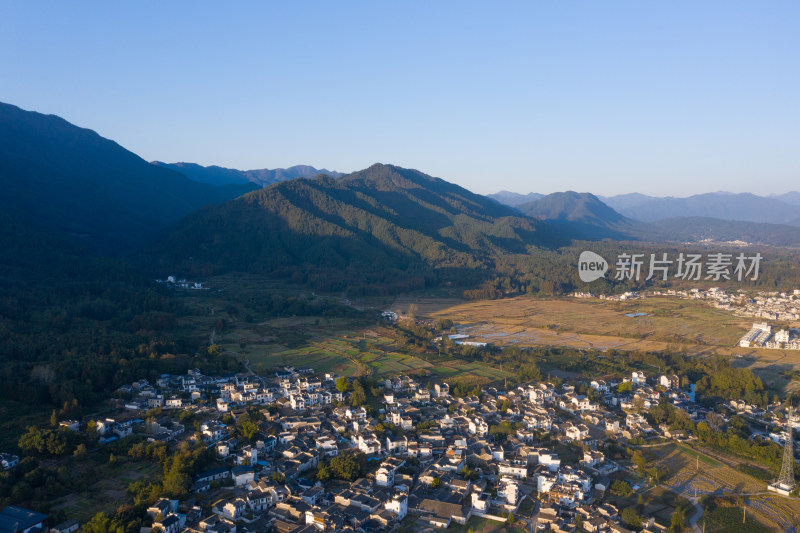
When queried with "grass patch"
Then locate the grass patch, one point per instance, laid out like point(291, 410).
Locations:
point(694, 454)
point(754, 471)
point(730, 519)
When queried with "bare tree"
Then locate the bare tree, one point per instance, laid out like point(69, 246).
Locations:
point(715, 421)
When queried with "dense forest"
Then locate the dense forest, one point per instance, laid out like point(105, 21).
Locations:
point(75, 326)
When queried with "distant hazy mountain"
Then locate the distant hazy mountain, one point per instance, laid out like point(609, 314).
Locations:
point(264, 177)
point(625, 201)
point(721, 205)
point(694, 229)
point(368, 225)
point(74, 181)
point(583, 215)
point(791, 198)
point(514, 199)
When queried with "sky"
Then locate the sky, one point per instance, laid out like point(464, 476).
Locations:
point(663, 98)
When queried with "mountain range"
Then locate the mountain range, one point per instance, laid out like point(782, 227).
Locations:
point(73, 181)
point(61, 178)
point(514, 199)
point(264, 177)
point(721, 205)
point(745, 207)
point(376, 222)
point(585, 216)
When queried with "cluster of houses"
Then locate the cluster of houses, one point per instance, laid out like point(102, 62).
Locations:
point(432, 456)
point(782, 306)
point(171, 281)
point(761, 335)
point(534, 452)
point(624, 297)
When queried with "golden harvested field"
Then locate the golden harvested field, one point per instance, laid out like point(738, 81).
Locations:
point(594, 323)
point(603, 325)
point(598, 324)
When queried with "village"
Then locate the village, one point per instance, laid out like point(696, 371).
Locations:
point(537, 452)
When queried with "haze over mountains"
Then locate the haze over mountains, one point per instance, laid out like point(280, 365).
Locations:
point(747, 207)
point(722, 205)
point(583, 215)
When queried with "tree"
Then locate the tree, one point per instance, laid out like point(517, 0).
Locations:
point(345, 466)
point(677, 521)
point(324, 472)
point(54, 419)
point(176, 483)
point(436, 483)
point(358, 397)
point(80, 451)
point(621, 487)
point(715, 421)
point(529, 372)
point(631, 517)
point(100, 523)
point(638, 459)
point(248, 430)
point(624, 387)
point(342, 384)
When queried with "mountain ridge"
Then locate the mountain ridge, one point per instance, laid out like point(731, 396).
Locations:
point(217, 175)
point(372, 222)
point(76, 182)
point(584, 215)
point(514, 199)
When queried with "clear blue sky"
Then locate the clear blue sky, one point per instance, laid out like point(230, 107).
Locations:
point(656, 97)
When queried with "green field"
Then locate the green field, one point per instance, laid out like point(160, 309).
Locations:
point(344, 347)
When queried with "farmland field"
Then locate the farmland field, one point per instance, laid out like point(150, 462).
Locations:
point(603, 325)
point(596, 323)
point(694, 472)
point(342, 346)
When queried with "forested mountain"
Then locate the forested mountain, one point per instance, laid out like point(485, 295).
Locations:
point(385, 226)
point(513, 199)
point(76, 182)
point(583, 215)
point(215, 175)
